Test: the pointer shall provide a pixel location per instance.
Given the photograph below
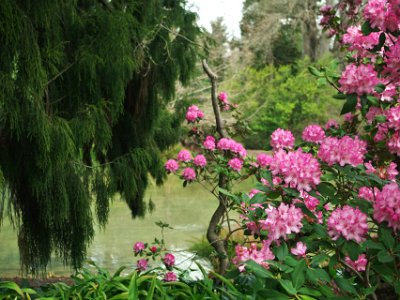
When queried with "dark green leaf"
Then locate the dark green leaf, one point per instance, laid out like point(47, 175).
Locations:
point(282, 251)
point(384, 256)
point(326, 189)
point(314, 275)
point(298, 275)
point(288, 286)
point(345, 285)
point(258, 270)
point(366, 28)
point(350, 104)
point(380, 88)
point(291, 192)
point(339, 96)
point(309, 291)
point(385, 235)
point(374, 101)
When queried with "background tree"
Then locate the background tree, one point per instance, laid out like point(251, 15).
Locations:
point(84, 84)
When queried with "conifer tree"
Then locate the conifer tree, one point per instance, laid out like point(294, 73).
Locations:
point(83, 88)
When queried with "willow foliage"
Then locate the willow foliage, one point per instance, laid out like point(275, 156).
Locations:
point(83, 88)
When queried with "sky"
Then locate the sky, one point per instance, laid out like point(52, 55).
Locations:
point(209, 10)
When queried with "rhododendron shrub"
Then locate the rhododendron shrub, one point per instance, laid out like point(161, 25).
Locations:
point(323, 220)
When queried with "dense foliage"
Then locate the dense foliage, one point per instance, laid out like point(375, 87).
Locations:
point(83, 86)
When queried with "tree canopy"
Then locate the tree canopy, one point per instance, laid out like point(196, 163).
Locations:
point(83, 90)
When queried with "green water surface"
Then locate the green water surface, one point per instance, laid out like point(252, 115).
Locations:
point(188, 210)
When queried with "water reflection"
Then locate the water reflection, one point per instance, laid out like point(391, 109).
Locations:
point(188, 210)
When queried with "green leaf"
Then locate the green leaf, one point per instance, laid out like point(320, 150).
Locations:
point(310, 292)
point(326, 189)
point(133, 292)
point(380, 88)
point(282, 251)
point(320, 230)
point(8, 285)
point(352, 249)
point(271, 295)
point(380, 119)
point(373, 100)
point(366, 28)
point(350, 104)
point(298, 275)
point(291, 192)
point(373, 245)
point(314, 71)
point(314, 275)
point(258, 270)
point(339, 96)
point(288, 286)
point(384, 256)
point(345, 285)
point(385, 235)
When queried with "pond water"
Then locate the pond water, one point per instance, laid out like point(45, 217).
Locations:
point(188, 210)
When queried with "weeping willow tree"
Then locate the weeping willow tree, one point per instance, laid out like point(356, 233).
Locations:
point(83, 88)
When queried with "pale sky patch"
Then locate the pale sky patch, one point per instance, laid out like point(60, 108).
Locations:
point(209, 10)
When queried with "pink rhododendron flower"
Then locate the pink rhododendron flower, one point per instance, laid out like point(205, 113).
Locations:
point(358, 79)
point(348, 117)
point(236, 164)
point(171, 166)
point(169, 260)
point(358, 265)
point(387, 206)
point(264, 160)
point(313, 134)
point(299, 170)
point(138, 247)
point(299, 250)
point(281, 138)
point(381, 133)
point(244, 254)
point(393, 144)
point(253, 192)
point(357, 41)
point(372, 113)
point(223, 97)
point(184, 155)
point(331, 123)
point(393, 117)
point(200, 160)
point(170, 276)
point(391, 172)
point(281, 221)
point(231, 145)
point(392, 60)
point(368, 193)
point(381, 15)
point(310, 201)
point(194, 113)
point(209, 143)
point(142, 264)
point(348, 222)
point(343, 151)
point(153, 249)
point(189, 174)
point(369, 169)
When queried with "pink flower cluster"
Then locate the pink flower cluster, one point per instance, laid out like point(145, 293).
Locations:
point(387, 206)
point(281, 221)
point(368, 193)
point(171, 166)
point(358, 79)
point(224, 102)
point(184, 156)
point(331, 123)
point(194, 114)
point(281, 138)
point(142, 264)
point(343, 151)
point(200, 160)
point(313, 134)
point(392, 60)
point(299, 170)
point(209, 143)
point(393, 117)
point(359, 42)
point(393, 143)
point(244, 254)
point(348, 222)
point(359, 265)
point(299, 250)
point(189, 174)
point(384, 172)
point(138, 247)
point(381, 14)
point(232, 145)
point(170, 276)
point(236, 164)
point(169, 260)
point(264, 160)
